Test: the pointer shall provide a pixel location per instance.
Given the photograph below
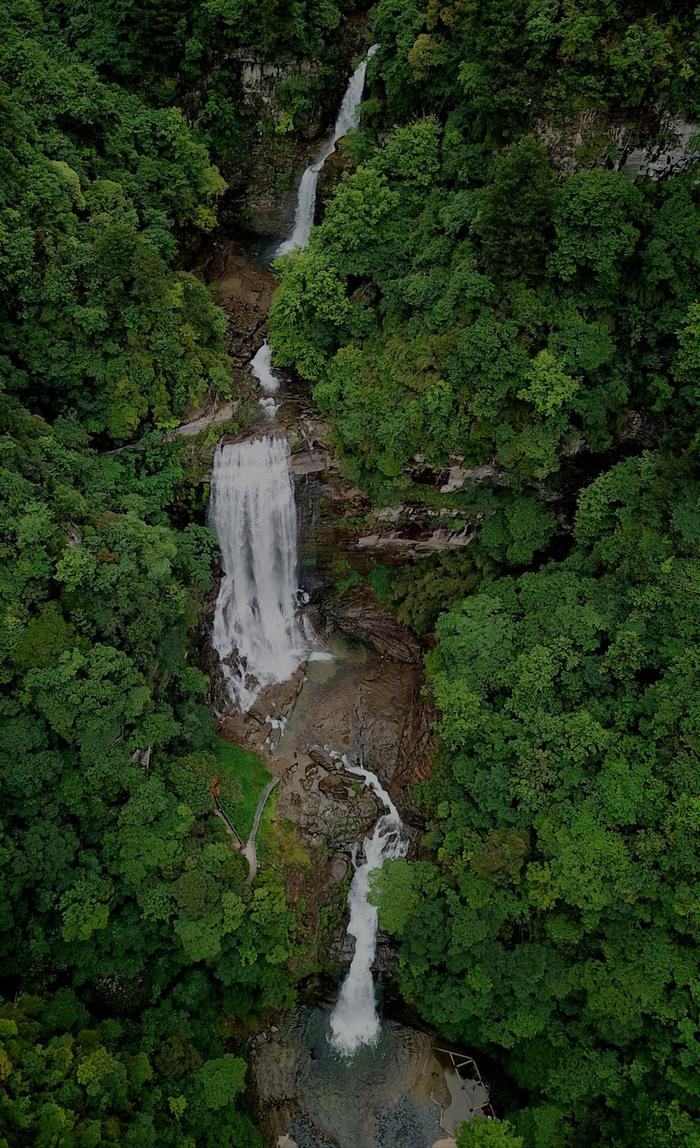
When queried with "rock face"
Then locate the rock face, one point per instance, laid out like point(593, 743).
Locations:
point(657, 145)
point(282, 150)
point(358, 615)
point(394, 544)
point(244, 288)
point(360, 694)
point(328, 805)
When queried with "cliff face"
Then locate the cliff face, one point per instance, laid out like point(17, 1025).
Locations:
point(292, 103)
point(656, 144)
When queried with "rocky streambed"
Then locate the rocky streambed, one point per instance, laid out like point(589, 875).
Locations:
point(398, 1093)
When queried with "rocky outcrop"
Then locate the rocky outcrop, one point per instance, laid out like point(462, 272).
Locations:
point(328, 804)
point(244, 289)
point(657, 144)
point(216, 416)
point(315, 460)
point(358, 615)
point(394, 544)
point(458, 476)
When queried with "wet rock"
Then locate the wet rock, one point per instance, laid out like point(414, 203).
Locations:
point(277, 699)
point(328, 806)
point(312, 462)
point(384, 1096)
point(334, 786)
point(324, 758)
point(358, 615)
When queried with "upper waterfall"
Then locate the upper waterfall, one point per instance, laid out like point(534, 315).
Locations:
point(253, 513)
point(348, 119)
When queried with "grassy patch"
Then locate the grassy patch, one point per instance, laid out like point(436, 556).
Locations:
point(246, 777)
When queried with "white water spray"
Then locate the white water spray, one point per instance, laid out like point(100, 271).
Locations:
point(348, 119)
point(354, 1020)
point(261, 366)
point(253, 513)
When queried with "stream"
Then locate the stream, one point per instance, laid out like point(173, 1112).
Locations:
point(319, 1067)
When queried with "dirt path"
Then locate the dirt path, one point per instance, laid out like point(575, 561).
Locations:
point(248, 850)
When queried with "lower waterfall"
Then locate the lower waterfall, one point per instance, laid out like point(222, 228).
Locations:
point(354, 1020)
point(256, 630)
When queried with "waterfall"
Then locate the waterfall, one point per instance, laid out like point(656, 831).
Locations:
point(354, 1020)
point(348, 119)
point(253, 513)
point(261, 366)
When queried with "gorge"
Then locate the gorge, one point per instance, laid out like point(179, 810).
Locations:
point(262, 634)
point(349, 569)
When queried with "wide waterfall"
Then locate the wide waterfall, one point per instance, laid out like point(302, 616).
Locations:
point(256, 631)
point(348, 119)
point(354, 1020)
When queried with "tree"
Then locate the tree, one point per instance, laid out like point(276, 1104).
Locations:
point(479, 1132)
point(515, 221)
point(596, 232)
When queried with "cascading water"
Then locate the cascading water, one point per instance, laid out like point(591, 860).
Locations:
point(261, 366)
point(348, 119)
point(354, 1020)
point(253, 513)
point(256, 627)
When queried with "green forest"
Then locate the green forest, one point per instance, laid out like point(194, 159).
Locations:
point(488, 285)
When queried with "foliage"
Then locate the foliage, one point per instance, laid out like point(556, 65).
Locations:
point(130, 945)
point(487, 1134)
point(71, 1079)
point(498, 324)
point(479, 294)
point(114, 872)
point(101, 190)
point(242, 776)
point(187, 53)
point(556, 926)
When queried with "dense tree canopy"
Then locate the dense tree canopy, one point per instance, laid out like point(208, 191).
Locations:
point(559, 924)
point(500, 323)
point(490, 286)
point(115, 877)
point(480, 292)
point(131, 949)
